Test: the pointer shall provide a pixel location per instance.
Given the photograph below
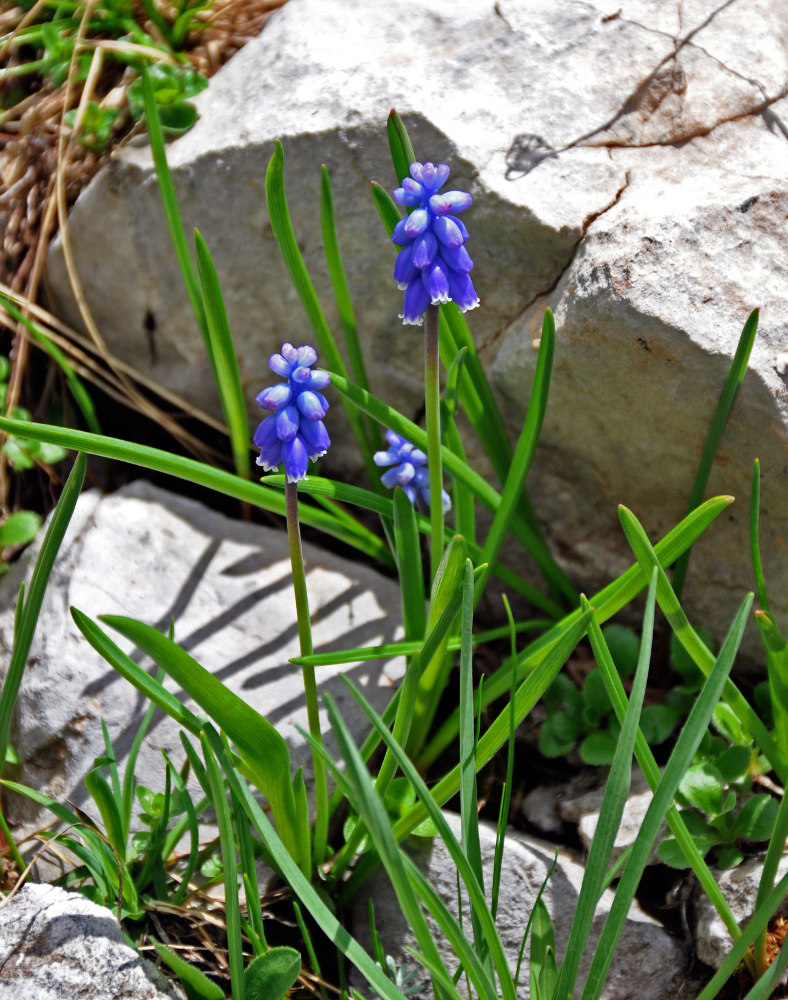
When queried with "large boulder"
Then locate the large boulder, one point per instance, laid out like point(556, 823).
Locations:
point(227, 587)
point(627, 162)
point(56, 944)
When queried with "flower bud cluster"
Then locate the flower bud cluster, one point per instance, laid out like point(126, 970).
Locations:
point(433, 265)
point(294, 432)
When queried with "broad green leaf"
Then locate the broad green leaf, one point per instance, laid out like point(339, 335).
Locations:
point(270, 976)
point(756, 818)
point(19, 528)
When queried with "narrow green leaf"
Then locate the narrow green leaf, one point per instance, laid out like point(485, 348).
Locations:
point(299, 883)
point(736, 373)
point(612, 809)
point(694, 645)
point(409, 567)
point(223, 358)
point(755, 545)
point(524, 452)
point(680, 759)
point(26, 621)
point(264, 750)
point(170, 204)
point(202, 475)
point(101, 793)
point(232, 909)
point(402, 154)
point(197, 985)
point(606, 603)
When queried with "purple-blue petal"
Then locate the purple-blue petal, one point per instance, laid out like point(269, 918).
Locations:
point(416, 302)
point(307, 355)
point(415, 170)
point(312, 405)
point(459, 200)
point(296, 459)
point(417, 222)
point(399, 236)
point(270, 458)
point(316, 436)
point(265, 435)
point(281, 366)
point(436, 281)
point(447, 231)
point(442, 172)
point(399, 475)
point(320, 379)
point(404, 268)
point(462, 291)
point(425, 247)
point(404, 197)
point(275, 396)
point(290, 354)
point(456, 258)
point(440, 205)
point(287, 423)
point(461, 226)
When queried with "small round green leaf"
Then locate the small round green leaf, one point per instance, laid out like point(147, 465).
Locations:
point(271, 975)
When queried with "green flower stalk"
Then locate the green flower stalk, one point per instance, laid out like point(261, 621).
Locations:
point(293, 434)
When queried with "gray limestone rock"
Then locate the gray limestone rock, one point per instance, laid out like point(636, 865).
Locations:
point(153, 555)
point(56, 945)
point(649, 964)
point(740, 888)
point(627, 162)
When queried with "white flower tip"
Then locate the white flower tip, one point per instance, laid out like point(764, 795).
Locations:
point(473, 305)
point(411, 322)
point(402, 285)
point(438, 299)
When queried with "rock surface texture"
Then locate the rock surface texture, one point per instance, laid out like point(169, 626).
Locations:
point(740, 887)
point(627, 162)
point(650, 964)
point(152, 555)
point(56, 944)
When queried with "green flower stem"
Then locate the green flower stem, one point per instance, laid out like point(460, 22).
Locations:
point(432, 407)
point(310, 685)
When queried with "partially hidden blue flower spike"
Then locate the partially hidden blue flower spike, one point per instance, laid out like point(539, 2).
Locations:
point(294, 433)
point(409, 470)
point(433, 265)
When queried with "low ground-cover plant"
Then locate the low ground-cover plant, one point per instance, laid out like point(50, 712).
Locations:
point(238, 756)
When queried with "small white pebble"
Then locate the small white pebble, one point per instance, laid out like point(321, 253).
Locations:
point(536, 343)
point(781, 363)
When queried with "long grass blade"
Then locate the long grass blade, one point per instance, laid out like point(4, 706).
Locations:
point(264, 751)
point(202, 475)
point(613, 802)
point(755, 544)
point(26, 622)
point(524, 452)
point(680, 759)
point(223, 358)
point(735, 375)
point(170, 204)
point(694, 645)
point(650, 769)
point(606, 603)
point(401, 147)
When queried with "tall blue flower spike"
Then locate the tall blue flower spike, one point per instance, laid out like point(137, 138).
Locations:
point(433, 265)
point(294, 432)
point(409, 471)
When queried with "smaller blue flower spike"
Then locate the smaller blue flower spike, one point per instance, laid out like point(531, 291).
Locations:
point(433, 265)
point(409, 471)
point(294, 432)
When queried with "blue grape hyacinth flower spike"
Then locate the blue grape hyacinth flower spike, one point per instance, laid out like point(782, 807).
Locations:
point(294, 433)
point(433, 265)
point(409, 470)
